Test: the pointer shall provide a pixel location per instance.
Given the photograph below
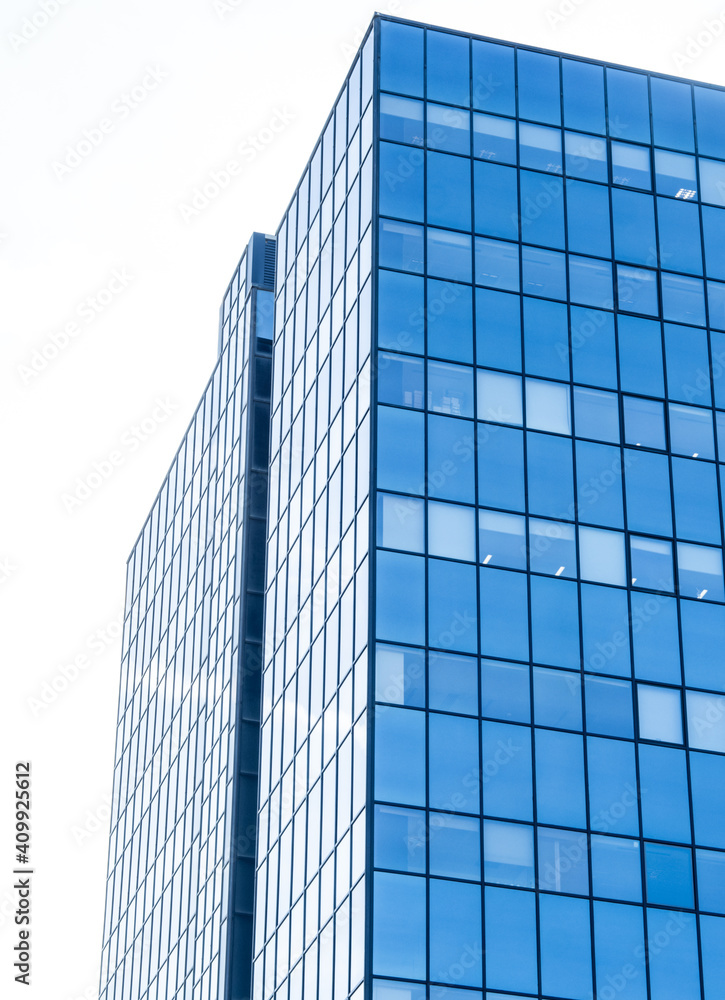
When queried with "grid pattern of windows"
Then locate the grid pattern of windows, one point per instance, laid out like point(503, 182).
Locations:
point(310, 904)
point(549, 735)
point(170, 856)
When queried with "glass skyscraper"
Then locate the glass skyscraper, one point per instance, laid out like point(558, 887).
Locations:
point(491, 760)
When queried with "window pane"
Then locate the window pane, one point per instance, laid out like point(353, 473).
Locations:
point(586, 156)
point(508, 851)
point(452, 606)
point(449, 255)
point(494, 86)
point(596, 414)
point(547, 406)
point(539, 87)
point(401, 523)
point(504, 614)
point(616, 872)
point(399, 934)
point(449, 313)
point(451, 531)
point(557, 699)
point(447, 68)
point(566, 953)
point(544, 273)
point(700, 572)
point(400, 675)
point(540, 148)
point(511, 952)
point(706, 721)
point(401, 598)
point(505, 691)
point(494, 139)
point(683, 299)
point(453, 757)
point(401, 119)
point(676, 174)
point(637, 290)
point(400, 839)
point(450, 389)
point(400, 757)
point(711, 880)
point(453, 683)
point(507, 792)
point(501, 539)
point(498, 329)
point(400, 304)
point(601, 556)
point(672, 114)
point(563, 861)
point(669, 875)
point(455, 846)
point(712, 181)
point(552, 548)
point(497, 264)
point(660, 713)
point(591, 282)
point(691, 431)
point(628, 104)
point(400, 456)
point(449, 129)
point(401, 182)
point(499, 398)
point(448, 191)
point(401, 246)
point(631, 165)
point(609, 706)
point(400, 380)
point(583, 96)
point(644, 422)
point(651, 563)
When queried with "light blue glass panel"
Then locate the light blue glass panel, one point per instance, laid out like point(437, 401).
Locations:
point(499, 397)
point(706, 721)
point(637, 290)
point(508, 851)
point(539, 87)
point(495, 201)
point(450, 321)
point(559, 779)
point(498, 329)
point(591, 282)
point(712, 938)
point(555, 622)
point(710, 112)
point(552, 548)
point(447, 68)
point(672, 114)
point(593, 351)
point(448, 180)
point(502, 539)
point(673, 967)
point(609, 707)
point(680, 236)
point(676, 174)
point(450, 474)
point(656, 639)
point(586, 156)
point(601, 556)
point(400, 380)
point(497, 264)
point(507, 787)
point(616, 868)
point(628, 105)
point(547, 406)
point(683, 299)
point(546, 338)
point(401, 246)
point(400, 756)
point(399, 931)
point(455, 846)
point(400, 457)
point(452, 614)
point(455, 931)
point(599, 483)
point(449, 129)
point(697, 510)
point(542, 209)
point(703, 636)
point(647, 482)
point(401, 59)
point(401, 836)
point(620, 952)
point(451, 531)
point(550, 475)
point(711, 880)
point(500, 467)
point(511, 952)
point(583, 85)
point(631, 165)
point(708, 772)
point(563, 861)
point(712, 181)
point(612, 786)
point(669, 875)
point(494, 138)
point(450, 389)
point(401, 119)
point(566, 954)
point(504, 614)
point(401, 181)
point(449, 255)
point(453, 683)
point(400, 598)
point(660, 713)
point(665, 808)
point(453, 763)
point(640, 355)
point(494, 85)
point(699, 570)
point(687, 364)
point(401, 523)
point(400, 675)
point(540, 148)
point(604, 631)
point(505, 691)
point(651, 563)
point(400, 312)
point(633, 216)
point(588, 218)
point(714, 235)
point(691, 431)
point(557, 699)
point(544, 273)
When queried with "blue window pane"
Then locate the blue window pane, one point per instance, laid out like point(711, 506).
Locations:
point(400, 380)
point(447, 68)
point(507, 789)
point(505, 691)
point(502, 539)
point(631, 165)
point(387, 989)
point(539, 88)
point(401, 181)
point(628, 102)
point(557, 699)
point(399, 932)
point(496, 200)
point(552, 547)
point(555, 622)
point(651, 563)
point(401, 59)
point(546, 338)
point(609, 707)
point(401, 119)
point(700, 572)
point(401, 522)
point(401, 598)
point(449, 191)
point(706, 721)
point(500, 467)
point(400, 839)
point(400, 756)
point(498, 329)
point(400, 675)
point(718, 367)
point(647, 479)
point(672, 114)
point(656, 639)
point(697, 511)
point(494, 87)
point(453, 763)
point(450, 389)
point(400, 312)
point(497, 264)
point(605, 635)
point(583, 96)
point(455, 846)
point(674, 970)
point(711, 880)
point(687, 364)
point(508, 851)
point(588, 218)
point(542, 209)
point(680, 237)
point(563, 861)
point(665, 807)
point(449, 255)
point(543, 273)
point(683, 299)
point(401, 246)
point(633, 216)
point(453, 683)
point(712, 937)
point(450, 321)
point(708, 772)
point(590, 282)
point(637, 290)
point(712, 181)
point(548, 406)
point(504, 614)
point(675, 174)
point(596, 415)
point(550, 476)
point(640, 356)
point(599, 484)
point(703, 638)
point(612, 786)
point(691, 431)
point(448, 129)
point(452, 606)
point(559, 779)
point(644, 422)
point(494, 138)
point(499, 397)
point(455, 930)
point(710, 112)
point(620, 951)
point(540, 148)
point(586, 156)
point(566, 953)
point(400, 457)
point(511, 952)
point(669, 875)
point(616, 868)
point(713, 225)
point(593, 351)
point(450, 473)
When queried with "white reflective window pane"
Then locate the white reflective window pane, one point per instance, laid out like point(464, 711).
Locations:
point(651, 563)
point(451, 531)
point(631, 165)
point(508, 851)
point(706, 721)
point(547, 406)
point(700, 572)
point(502, 539)
point(401, 522)
point(601, 556)
point(499, 398)
point(712, 181)
point(552, 547)
point(450, 389)
point(660, 713)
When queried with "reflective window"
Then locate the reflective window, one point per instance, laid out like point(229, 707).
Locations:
point(651, 562)
point(451, 531)
point(706, 721)
point(455, 846)
point(450, 389)
point(449, 315)
point(596, 414)
point(400, 380)
point(539, 87)
point(563, 861)
point(499, 398)
point(453, 683)
point(676, 174)
point(609, 706)
point(399, 925)
point(547, 406)
point(544, 273)
point(401, 246)
point(540, 148)
point(505, 691)
point(601, 556)
point(447, 68)
point(669, 875)
point(557, 699)
point(449, 254)
point(591, 282)
point(401, 119)
point(497, 264)
point(586, 156)
point(616, 872)
point(672, 114)
point(494, 138)
point(699, 570)
point(637, 290)
point(628, 105)
point(400, 676)
point(501, 539)
point(448, 192)
point(552, 548)
point(631, 165)
point(691, 431)
point(583, 85)
point(508, 851)
point(644, 422)
point(449, 129)
point(712, 181)
point(401, 522)
point(400, 839)
point(660, 713)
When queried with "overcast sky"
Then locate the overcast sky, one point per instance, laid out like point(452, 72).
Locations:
point(113, 115)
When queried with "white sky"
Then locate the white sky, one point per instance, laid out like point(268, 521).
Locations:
point(212, 75)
